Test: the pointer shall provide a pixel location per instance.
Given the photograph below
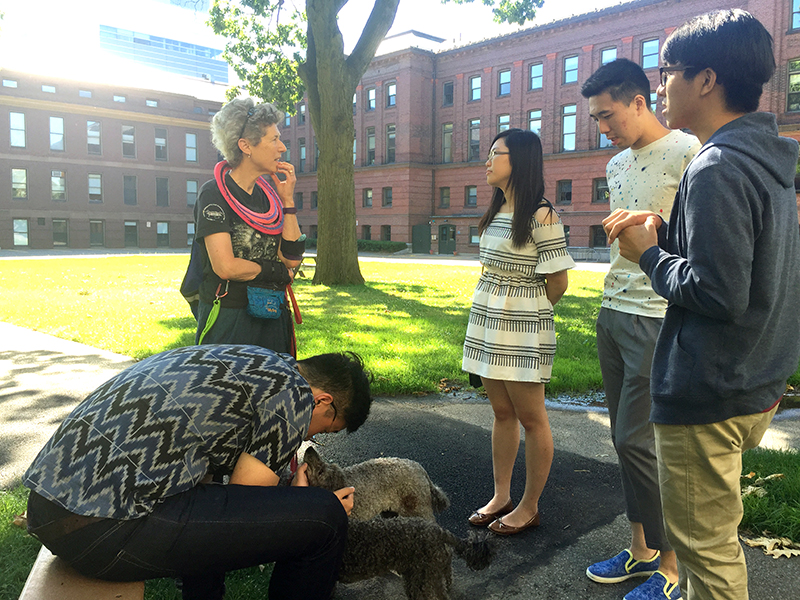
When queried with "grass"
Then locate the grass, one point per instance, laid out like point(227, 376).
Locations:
point(408, 321)
point(17, 549)
point(777, 513)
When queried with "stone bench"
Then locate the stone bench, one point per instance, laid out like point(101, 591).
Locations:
point(52, 579)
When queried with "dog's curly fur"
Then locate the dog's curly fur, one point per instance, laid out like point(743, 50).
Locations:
point(417, 549)
point(384, 486)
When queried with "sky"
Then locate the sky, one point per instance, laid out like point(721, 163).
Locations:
point(60, 38)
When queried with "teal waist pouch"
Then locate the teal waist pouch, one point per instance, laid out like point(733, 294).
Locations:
point(264, 303)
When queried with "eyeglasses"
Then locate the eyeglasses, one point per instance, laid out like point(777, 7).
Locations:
point(250, 113)
point(493, 153)
point(314, 439)
point(664, 71)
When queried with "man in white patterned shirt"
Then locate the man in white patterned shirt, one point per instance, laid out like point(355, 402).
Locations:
point(644, 176)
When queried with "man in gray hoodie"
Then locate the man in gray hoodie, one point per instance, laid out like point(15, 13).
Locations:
point(728, 262)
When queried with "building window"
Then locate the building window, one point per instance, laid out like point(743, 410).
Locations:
point(370, 104)
point(366, 232)
point(19, 184)
point(85, 93)
point(475, 88)
point(503, 122)
point(287, 154)
point(447, 143)
point(50, 89)
point(97, 233)
point(355, 149)
point(390, 143)
point(128, 141)
point(600, 192)
point(154, 104)
point(795, 14)
point(792, 103)
point(56, 134)
point(129, 190)
point(191, 147)
point(95, 188)
point(504, 82)
point(391, 95)
point(298, 200)
point(17, 126)
point(447, 92)
point(93, 137)
point(387, 197)
point(568, 124)
point(162, 191)
point(366, 198)
point(316, 155)
point(474, 236)
point(566, 234)
point(314, 200)
point(9, 83)
point(471, 195)
point(287, 120)
point(536, 76)
point(189, 234)
point(653, 101)
point(60, 232)
point(20, 232)
point(444, 197)
point(191, 192)
point(131, 234)
point(370, 146)
point(597, 237)
point(564, 191)
point(649, 54)
point(58, 186)
point(162, 234)
point(386, 233)
point(118, 98)
point(535, 121)
point(301, 149)
point(301, 115)
point(570, 69)
point(474, 139)
point(602, 140)
point(161, 143)
point(608, 55)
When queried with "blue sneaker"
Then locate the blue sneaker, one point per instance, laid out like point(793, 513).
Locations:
point(622, 567)
point(657, 587)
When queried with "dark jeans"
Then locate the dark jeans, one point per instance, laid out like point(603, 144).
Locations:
point(200, 534)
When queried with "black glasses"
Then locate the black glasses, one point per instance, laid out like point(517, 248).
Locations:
point(493, 153)
point(664, 71)
point(314, 439)
point(250, 113)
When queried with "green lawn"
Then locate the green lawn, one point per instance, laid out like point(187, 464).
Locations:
point(408, 321)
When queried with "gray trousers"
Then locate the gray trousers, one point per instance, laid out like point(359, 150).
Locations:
point(625, 344)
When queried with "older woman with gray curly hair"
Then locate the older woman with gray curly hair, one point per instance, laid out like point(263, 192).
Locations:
point(247, 231)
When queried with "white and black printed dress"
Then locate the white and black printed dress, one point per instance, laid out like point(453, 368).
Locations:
point(511, 335)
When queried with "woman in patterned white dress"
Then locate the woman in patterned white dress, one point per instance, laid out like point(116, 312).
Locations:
point(510, 339)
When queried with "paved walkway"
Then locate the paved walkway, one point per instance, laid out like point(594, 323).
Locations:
point(582, 513)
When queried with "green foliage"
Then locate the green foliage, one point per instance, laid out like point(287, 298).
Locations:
point(17, 549)
point(508, 11)
point(777, 513)
point(265, 45)
point(369, 245)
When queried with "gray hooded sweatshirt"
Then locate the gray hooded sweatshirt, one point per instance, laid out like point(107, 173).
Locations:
point(728, 263)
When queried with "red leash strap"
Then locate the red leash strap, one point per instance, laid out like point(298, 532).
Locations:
point(297, 318)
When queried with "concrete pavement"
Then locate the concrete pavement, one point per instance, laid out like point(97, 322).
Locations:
point(582, 513)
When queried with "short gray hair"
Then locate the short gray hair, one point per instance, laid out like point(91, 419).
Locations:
point(241, 118)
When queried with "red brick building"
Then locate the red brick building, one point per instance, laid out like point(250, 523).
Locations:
point(424, 120)
point(86, 165)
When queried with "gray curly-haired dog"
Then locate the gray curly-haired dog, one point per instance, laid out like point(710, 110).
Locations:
point(384, 486)
point(417, 549)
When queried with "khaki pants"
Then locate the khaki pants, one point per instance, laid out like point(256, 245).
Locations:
point(699, 469)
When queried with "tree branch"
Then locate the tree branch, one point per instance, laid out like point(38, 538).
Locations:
point(379, 22)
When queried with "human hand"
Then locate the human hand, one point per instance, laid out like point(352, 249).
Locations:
point(285, 188)
point(621, 219)
point(634, 240)
point(300, 478)
point(345, 496)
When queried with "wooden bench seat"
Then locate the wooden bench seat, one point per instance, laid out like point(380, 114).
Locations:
point(52, 579)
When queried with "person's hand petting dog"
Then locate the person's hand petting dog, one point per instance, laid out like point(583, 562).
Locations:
point(345, 494)
point(636, 231)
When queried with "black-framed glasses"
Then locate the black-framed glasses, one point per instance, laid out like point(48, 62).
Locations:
point(250, 113)
point(314, 439)
point(493, 153)
point(664, 71)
